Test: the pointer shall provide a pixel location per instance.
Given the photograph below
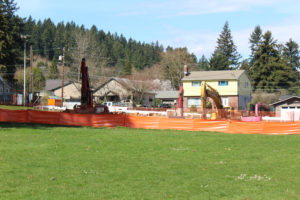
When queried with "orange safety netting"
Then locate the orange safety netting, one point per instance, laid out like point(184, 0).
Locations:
point(113, 120)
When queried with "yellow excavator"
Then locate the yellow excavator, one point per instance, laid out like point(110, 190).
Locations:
point(208, 91)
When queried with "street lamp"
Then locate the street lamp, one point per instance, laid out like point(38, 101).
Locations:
point(25, 37)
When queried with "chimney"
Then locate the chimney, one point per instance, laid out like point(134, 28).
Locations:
point(186, 70)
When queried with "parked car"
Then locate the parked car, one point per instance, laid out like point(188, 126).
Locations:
point(164, 105)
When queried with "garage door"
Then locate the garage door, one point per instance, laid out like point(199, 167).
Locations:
point(290, 113)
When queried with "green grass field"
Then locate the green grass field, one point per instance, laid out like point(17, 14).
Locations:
point(7, 107)
point(52, 162)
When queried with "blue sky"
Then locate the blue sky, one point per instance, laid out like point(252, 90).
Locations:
point(194, 24)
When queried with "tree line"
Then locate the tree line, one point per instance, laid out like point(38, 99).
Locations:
point(112, 50)
point(107, 52)
point(271, 65)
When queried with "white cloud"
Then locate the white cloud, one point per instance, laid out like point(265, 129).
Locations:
point(198, 42)
point(202, 42)
point(289, 28)
point(169, 8)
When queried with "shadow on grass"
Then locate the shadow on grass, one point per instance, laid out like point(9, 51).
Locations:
point(34, 126)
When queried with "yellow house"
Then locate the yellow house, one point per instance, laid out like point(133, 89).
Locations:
point(234, 87)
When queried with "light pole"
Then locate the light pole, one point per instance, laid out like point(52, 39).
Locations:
point(63, 81)
point(25, 37)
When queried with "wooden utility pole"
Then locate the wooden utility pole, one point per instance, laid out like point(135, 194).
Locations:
point(62, 80)
point(24, 80)
point(31, 74)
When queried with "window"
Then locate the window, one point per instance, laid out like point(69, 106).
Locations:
point(196, 83)
point(223, 83)
point(225, 101)
point(194, 102)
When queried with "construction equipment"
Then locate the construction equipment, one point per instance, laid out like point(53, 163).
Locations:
point(180, 101)
point(86, 101)
point(208, 91)
point(86, 92)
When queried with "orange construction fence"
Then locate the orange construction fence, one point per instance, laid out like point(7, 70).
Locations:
point(113, 120)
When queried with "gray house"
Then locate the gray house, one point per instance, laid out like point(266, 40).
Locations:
point(168, 97)
point(6, 92)
point(288, 107)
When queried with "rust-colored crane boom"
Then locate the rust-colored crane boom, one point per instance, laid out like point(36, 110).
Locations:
point(86, 92)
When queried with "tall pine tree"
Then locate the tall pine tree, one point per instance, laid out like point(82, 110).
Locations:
point(255, 40)
point(127, 70)
point(10, 41)
point(225, 54)
point(48, 37)
point(292, 54)
point(203, 63)
point(270, 72)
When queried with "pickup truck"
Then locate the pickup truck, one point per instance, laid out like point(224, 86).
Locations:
point(115, 107)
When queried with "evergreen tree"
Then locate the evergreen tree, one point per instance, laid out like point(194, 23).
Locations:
point(10, 42)
point(127, 70)
point(270, 72)
point(226, 50)
point(255, 40)
point(36, 38)
point(53, 71)
point(29, 25)
point(48, 36)
point(291, 54)
point(38, 79)
point(69, 41)
point(203, 63)
point(59, 42)
point(245, 65)
point(218, 61)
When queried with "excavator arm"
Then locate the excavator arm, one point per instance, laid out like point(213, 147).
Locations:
point(208, 91)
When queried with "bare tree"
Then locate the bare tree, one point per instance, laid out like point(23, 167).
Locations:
point(172, 63)
point(139, 84)
point(86, 47)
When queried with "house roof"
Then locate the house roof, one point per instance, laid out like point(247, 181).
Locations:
point(119, 80)
point(214, 75)
point(3, 82)
point(126, 83)
point(284, 98)
point(167, 94)
point(53, 84)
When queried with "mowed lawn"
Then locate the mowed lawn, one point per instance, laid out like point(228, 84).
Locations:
point(52, 162)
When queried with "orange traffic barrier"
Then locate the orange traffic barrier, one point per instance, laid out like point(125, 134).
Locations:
point(41, 117)
point(113, 120)
point(71, 119)
point(14, 116)
point(108, 120)
point(141, 122)
point(207, 125)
